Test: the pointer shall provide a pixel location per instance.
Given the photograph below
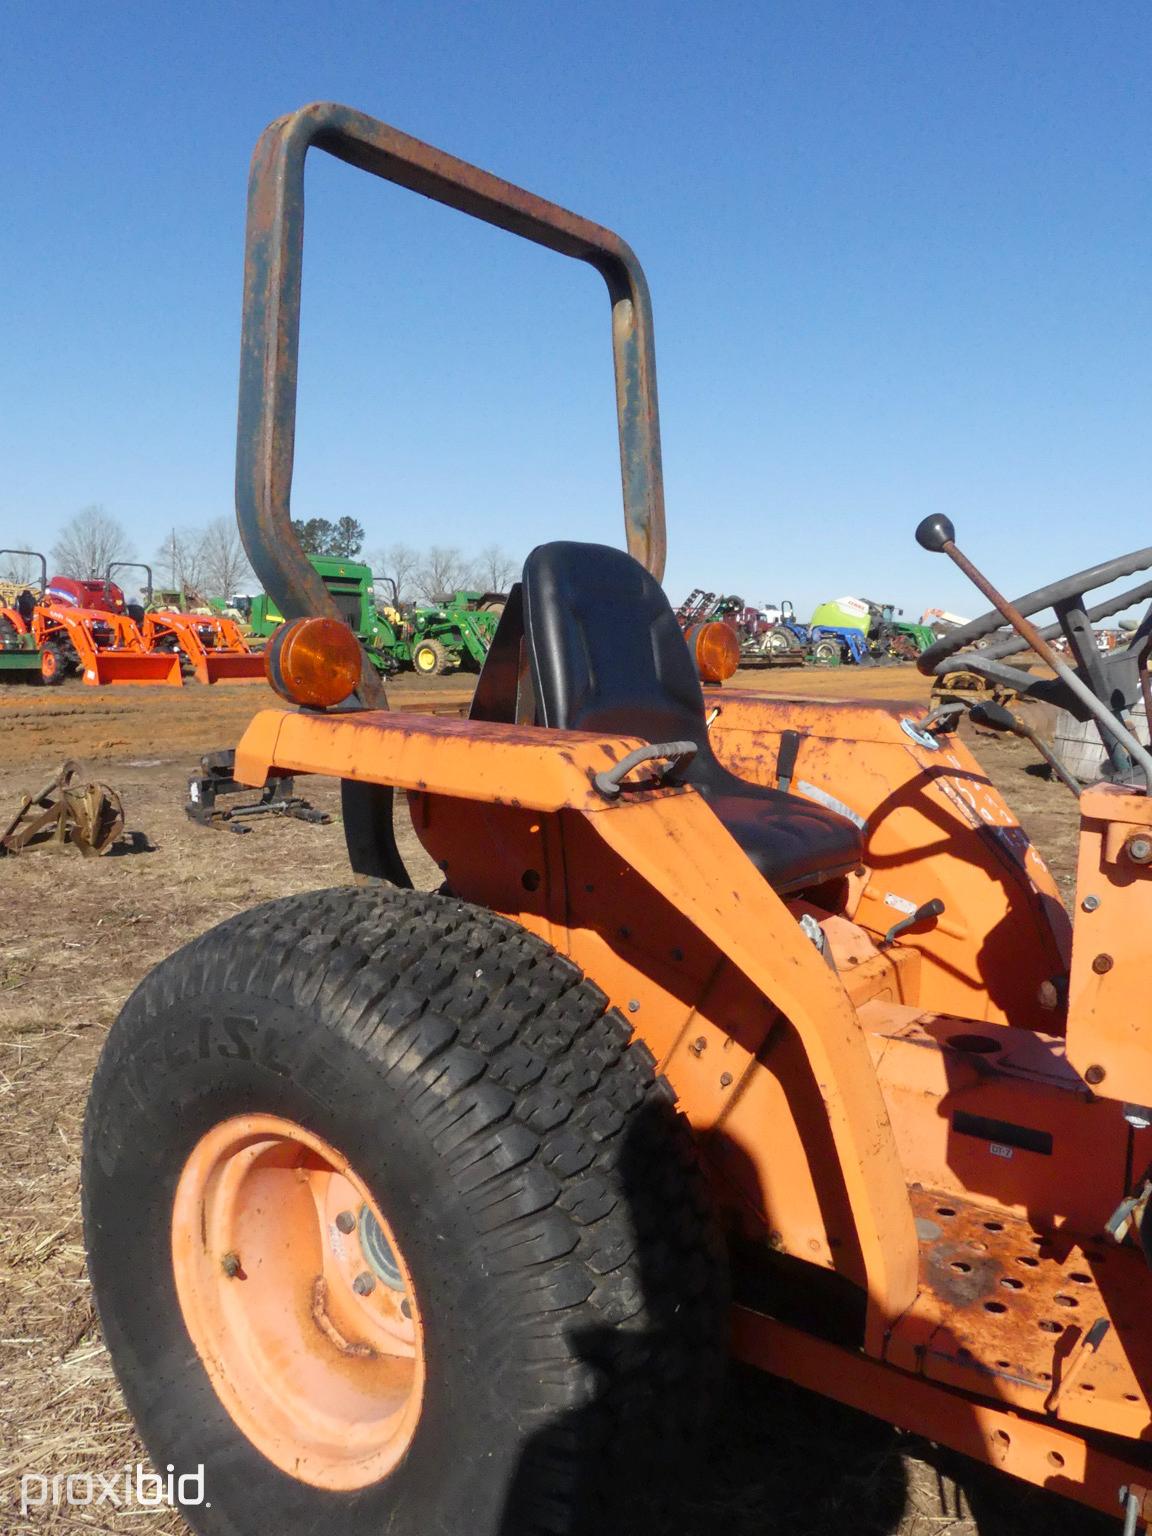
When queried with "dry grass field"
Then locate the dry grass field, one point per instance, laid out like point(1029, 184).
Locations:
point(78, 935)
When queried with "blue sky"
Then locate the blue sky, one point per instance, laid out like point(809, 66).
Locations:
point(899, 257)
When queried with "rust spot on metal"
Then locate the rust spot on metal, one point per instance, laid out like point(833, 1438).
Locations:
point(999, 1298)
point(352, 1349)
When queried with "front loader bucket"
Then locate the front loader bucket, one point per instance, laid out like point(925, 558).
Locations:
point(227, 668)
point(157, 667)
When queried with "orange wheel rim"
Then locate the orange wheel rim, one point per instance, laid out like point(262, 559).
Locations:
point(299, 1301)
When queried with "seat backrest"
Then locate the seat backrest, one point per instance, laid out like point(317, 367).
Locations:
point(604, 647)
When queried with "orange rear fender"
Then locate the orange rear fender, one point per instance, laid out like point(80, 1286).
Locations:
point(522, 854)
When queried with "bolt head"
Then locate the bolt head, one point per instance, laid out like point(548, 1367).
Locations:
point(345, 1222)
point(364, 1283)
point(1102, 964)
point(1139, 850)
point(1094, 1075)
point(1090, 903)
point(633, 1006)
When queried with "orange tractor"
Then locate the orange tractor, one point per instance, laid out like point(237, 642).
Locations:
point(85, 627)
point(737, 1025)
point(210, 646)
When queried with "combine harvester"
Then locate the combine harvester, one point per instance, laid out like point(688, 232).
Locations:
point(209, 646)
point(84, 627)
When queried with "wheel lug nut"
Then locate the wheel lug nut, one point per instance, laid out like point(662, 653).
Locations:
point(345, 1222)
point(364, 1283)
point(406, 1307)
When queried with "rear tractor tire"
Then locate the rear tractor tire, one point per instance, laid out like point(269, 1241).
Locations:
point(429, 658)
point(390, 1228)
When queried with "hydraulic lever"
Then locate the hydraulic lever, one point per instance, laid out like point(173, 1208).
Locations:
point(937, 534)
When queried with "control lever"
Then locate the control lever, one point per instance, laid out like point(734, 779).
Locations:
point(997, 718)
point(937, 534)
point(923, 914)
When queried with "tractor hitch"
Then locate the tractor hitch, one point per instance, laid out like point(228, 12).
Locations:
point(216, 778)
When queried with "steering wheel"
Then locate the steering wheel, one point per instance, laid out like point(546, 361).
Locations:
point(1073, 620)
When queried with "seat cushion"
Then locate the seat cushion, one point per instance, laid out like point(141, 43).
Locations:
point(792, 842)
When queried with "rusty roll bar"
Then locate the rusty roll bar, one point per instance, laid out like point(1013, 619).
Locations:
point(33, 554)
point(271, 330)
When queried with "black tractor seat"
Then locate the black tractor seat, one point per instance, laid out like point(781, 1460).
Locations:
point(606, 654)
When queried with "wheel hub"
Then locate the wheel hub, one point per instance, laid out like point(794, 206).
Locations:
point(298, 1301)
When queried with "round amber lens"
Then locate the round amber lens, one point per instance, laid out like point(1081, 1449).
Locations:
point(715, 649)
point(314, 662)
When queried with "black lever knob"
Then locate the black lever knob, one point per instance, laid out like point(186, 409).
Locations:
point(934, 532)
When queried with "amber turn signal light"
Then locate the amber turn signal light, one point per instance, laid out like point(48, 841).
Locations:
point(715, 649)
point(315, 662)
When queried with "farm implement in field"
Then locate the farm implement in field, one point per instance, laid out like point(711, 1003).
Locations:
point(736, 1023)
point(65, 813)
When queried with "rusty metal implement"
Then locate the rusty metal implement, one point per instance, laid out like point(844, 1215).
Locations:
point(66, 812)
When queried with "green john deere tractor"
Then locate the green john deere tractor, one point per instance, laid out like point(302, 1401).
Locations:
point(429, 640)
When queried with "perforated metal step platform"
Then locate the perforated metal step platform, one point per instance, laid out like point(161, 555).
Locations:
point(1006, 1311)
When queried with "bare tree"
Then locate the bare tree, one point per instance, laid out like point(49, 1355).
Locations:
point(181, 560)
point(395, 568)
point(440, 573)
point(88, 543)
point(225, 563)
point(495, 569)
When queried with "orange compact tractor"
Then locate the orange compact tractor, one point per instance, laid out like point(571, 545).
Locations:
point(87, 628)
point(736, 1024)
point(210, 646)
